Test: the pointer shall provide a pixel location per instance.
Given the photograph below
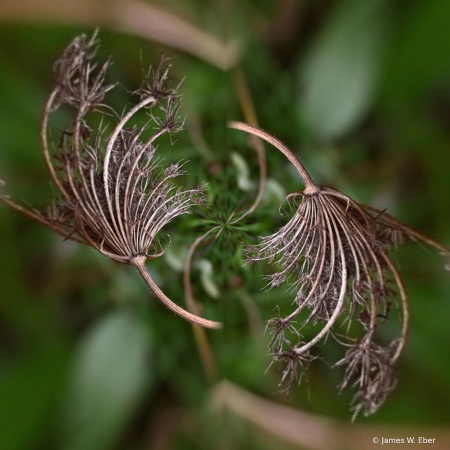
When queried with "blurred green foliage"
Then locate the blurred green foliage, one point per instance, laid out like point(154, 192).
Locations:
point(359, 90)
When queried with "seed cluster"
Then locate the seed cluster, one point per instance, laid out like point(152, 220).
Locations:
point(114, 196)
point(335, 253)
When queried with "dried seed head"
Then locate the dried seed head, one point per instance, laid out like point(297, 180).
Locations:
point(293, 366)
point(114, 195)
point(336, 252)
point(80, 80)
point(370, 372)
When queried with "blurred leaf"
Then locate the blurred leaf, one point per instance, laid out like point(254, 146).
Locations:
point(340, 73)
point(206, 277)
point(134, 17)
point(28, 393)
point(274, 192)
point(420, 56)
point(242, 172)
point(175, 257)
point(109, 378)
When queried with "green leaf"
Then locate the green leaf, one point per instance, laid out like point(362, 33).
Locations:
point(340, 73)
point(28, 395)
point(420, 56)
point(242, 172)
point(207, 277)
point(110, 376)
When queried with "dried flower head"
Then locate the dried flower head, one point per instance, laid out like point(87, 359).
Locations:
point(337, 251)
point(114, 197)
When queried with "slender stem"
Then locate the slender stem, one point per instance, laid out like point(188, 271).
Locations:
point(139, 263)
point(245, 99)
point(249, 113)
point(116, 132)
point(201, 338)
point(405, 306)
point(44, 143)
point(190, 303)
point(362, 246)
point(205, 351)
point(431, 242)
point(310, 187)
point(62, 230)
point(395, 223)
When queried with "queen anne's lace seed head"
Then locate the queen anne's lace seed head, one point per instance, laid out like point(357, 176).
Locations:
point(114, 196)
point(336, 254)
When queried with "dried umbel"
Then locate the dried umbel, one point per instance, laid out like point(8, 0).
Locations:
point(336, 252)
point(114, 197)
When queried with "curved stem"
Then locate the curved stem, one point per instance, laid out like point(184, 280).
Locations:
point(62, 230)
point(187, 272)
point(358, 247)
point(310, 187)
point(249, 113)
point(395, 223)
point(44, 143)
point(405, 328)
point(139, 263)
point(201, 338)
point(431, 242)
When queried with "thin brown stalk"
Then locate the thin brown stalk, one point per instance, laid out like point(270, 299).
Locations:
point(139, 263)
point(201, 338)
point(189, 298)
point(291, 426)
point(133, 17)
point(405, 306)
point(310, 187)
point(249, 113)
point(44, 142)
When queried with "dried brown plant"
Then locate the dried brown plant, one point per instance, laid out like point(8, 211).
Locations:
point(336, 252)
point(113, 195)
